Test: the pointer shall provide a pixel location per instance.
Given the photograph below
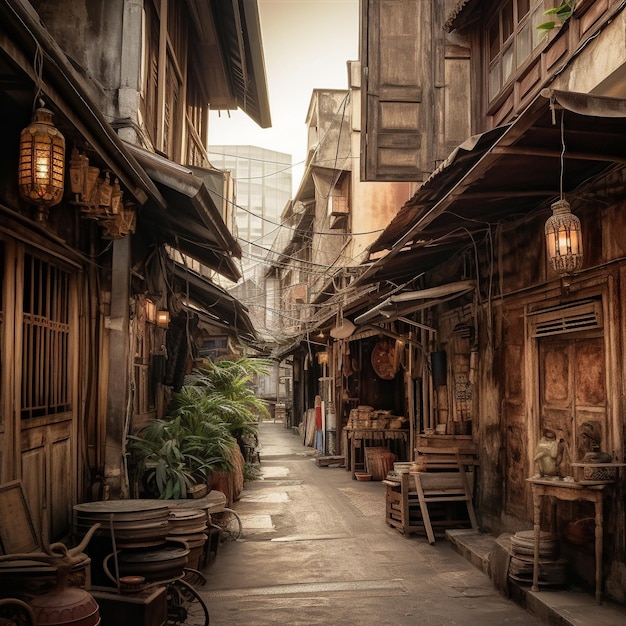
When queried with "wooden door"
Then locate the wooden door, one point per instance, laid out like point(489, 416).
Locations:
point(42, 398)
point(572, 392)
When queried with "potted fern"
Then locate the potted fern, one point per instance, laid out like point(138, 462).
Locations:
point(226, 388)
point(174, 454)
point(227, 392)
point(214, 411)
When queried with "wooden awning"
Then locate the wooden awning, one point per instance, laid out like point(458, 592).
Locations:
point(190, 221)
point(504, 173)
point(213, 302)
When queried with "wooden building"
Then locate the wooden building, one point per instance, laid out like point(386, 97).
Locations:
point(332, 219)
point(501, 330)
point(85, 353)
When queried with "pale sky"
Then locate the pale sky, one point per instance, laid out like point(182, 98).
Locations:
point(307, 44)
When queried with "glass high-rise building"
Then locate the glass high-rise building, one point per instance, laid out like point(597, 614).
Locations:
point(263, 188)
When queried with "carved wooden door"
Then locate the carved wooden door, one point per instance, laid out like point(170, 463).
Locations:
point(572, 392)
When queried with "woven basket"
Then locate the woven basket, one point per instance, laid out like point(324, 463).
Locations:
point(594, 472)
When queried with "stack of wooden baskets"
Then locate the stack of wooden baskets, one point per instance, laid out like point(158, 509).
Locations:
point(552, 570)
point(379, 462)
point(189, 526)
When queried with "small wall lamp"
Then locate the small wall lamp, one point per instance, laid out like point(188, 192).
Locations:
point(163, 318)
point(41, 171)
point(99, 198)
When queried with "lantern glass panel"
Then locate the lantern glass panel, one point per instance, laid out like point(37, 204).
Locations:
point(42, 161)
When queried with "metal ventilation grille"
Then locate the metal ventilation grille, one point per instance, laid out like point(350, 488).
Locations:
point(582, 315)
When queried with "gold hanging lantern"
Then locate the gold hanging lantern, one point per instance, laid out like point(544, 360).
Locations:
point(42, 162)
point(564, 239)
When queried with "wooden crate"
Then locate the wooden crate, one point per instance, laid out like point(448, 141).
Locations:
point(402, 505)
point(402, 509)
point(463, 443)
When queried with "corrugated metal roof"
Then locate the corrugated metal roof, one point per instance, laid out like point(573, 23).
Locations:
point(505, 173)
point(215, 302)
point(190, 223)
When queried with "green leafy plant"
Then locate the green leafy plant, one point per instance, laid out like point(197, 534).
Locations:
point(251, 472)
point(214, 411)
point(172, 454)
point(563, 12)
point(226, 391)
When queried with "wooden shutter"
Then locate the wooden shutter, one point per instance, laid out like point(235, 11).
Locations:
point(393, 52)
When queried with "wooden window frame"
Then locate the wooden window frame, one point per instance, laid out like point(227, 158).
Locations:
point(165, 76)
point(46, 381)
point(494, 57)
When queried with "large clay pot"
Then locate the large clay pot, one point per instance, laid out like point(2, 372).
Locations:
point(65, 605)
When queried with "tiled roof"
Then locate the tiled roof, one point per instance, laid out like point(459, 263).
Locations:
point(451, 21)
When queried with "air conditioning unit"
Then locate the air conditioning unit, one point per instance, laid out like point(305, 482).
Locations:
point(337, 206)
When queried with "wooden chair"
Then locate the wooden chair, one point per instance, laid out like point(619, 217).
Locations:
point(443, 483)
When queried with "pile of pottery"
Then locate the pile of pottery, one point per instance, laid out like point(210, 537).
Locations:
point(138, 538)
point(365, 416)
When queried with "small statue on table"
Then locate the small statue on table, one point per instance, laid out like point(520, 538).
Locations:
point(548, 456)
point(591, 438)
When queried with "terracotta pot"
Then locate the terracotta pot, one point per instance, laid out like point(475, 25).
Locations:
point(66, 605)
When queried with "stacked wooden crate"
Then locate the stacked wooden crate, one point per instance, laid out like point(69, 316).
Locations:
point(402, 504)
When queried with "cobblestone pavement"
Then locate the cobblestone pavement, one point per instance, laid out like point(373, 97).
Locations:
point(316, 549)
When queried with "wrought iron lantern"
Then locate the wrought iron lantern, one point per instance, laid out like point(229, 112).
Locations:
point(564, 239)
point(41, 171)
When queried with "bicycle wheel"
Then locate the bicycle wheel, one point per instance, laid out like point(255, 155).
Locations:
point(183, 602)
point(14, 611)
point(229, 524)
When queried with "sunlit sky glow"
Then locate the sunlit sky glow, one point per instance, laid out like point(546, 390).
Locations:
point(307, 44)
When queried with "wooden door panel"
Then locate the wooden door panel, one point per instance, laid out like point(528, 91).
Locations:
point(33, 477)
point(46, 476)
point(572, 393)
point(555, 383)
point(590, 373)
point(60, 493)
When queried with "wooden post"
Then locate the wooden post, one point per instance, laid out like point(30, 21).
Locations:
point(117, 392)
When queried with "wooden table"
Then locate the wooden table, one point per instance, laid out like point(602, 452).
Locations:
point(361, 438)
point(570, 491)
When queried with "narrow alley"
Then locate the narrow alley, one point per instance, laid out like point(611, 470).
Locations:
point(316, 550)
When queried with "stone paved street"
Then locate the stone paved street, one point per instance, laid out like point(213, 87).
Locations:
point(316, 550)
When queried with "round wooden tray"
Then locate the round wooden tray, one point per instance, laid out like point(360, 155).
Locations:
point(383, 360)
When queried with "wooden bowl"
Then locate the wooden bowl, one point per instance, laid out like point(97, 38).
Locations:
point(363, 476)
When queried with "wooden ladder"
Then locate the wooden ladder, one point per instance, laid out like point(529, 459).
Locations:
point(444, 481)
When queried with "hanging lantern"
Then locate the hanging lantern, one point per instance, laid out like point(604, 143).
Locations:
point(564, 239)
point(41, 162)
